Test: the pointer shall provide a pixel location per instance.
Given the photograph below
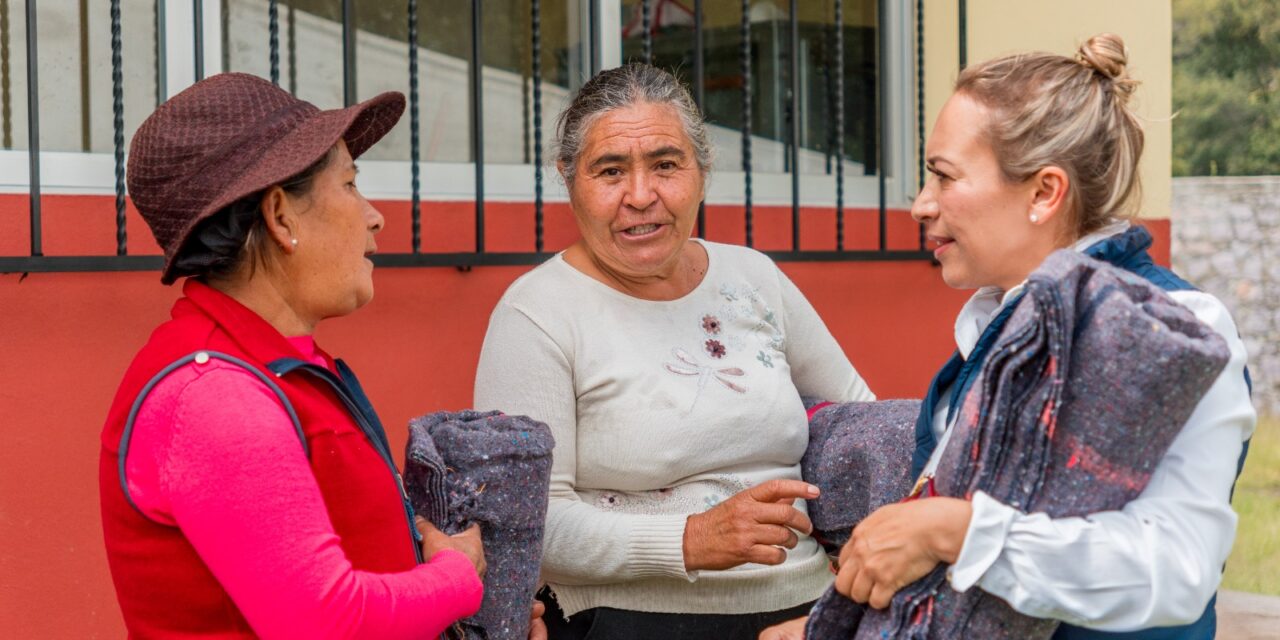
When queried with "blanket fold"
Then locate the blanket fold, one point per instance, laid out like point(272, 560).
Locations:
point(1091, 379)
point(494, 470)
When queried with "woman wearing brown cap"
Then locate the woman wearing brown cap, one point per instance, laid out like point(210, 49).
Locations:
point(247, 485)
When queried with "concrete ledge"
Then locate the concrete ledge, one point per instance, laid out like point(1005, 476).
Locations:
point(1248, 616)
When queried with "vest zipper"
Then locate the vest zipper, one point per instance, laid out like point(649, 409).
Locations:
point(367, 429)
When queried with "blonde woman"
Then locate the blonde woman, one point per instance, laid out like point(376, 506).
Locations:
point(1035, 153)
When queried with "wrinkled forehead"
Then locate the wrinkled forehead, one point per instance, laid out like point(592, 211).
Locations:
point(642, 127)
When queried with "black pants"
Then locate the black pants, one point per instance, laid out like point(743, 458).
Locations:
point(604, 623)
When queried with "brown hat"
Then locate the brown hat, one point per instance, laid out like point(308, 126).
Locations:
point(232, 135)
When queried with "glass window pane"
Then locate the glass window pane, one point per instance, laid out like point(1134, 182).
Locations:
point(311, 65)
point(672, 33)
point(74, 73)
point(310, 41)
point(508, 79)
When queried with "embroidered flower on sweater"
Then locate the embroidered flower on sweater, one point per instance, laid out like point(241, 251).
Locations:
point(609, 500)
point(688, 365)
point(765, 359)
point(715, 348)
point(710, 324)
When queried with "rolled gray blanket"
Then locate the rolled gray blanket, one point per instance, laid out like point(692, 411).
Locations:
point(859, 456)
point(1089, 383)
point(493, 470)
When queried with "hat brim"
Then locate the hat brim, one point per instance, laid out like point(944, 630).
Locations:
point(360, 125)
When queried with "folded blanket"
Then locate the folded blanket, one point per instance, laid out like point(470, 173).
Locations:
point(1090, 381)
point(859, 456)
point(493, 470)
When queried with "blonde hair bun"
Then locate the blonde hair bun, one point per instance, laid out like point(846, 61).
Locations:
point(1107, 55)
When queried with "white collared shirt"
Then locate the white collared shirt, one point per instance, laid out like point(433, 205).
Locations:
point(1157, 561)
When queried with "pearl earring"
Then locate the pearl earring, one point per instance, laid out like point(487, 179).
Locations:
point(294, 241)
point(1034, 219)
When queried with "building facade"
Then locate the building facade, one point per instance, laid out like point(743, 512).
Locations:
point(818, 110)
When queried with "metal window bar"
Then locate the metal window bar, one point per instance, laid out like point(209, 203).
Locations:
point(964, 34)
point(794, 89)
point(839, 109)
point(646, 24)
point(273, 39)
point(197, 36)
point(292, 35)
point(882, 72)
point(593, 36)
point(794, 54)
point(699, 94)
point(33, 128)
point(86, 142)
point(349, 52)
point(920, 177)
point(117, 124)
point(415, 124)
point(37, 262)
point(535, 19)
point(745, 54)
point(828, 95)
point(477, 119)
point(6, 95)
point(161, 68)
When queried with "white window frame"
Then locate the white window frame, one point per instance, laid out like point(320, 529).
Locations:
point(65, 172)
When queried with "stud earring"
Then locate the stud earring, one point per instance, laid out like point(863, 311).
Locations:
point(1034, 219)
point(294, 241)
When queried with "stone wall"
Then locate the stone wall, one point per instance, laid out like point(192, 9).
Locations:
point(1225, 236)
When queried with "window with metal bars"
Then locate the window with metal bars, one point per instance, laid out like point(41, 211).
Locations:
point(811, 104)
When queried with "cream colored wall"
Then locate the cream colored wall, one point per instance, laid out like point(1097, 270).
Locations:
point(997, 27)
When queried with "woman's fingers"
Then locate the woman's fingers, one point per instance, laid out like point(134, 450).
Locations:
point(767, 554)
point(537, 628)
point(777, 535)
point(844, 577)
point(863, 583)
point(881, 596)
point(744, 527)
point(469, 543)
point(783, 514)
point(424, 526)
point(780, 490)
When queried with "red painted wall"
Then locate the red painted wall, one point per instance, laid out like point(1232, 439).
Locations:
point(65, 340)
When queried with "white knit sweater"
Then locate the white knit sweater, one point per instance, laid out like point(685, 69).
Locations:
point(661, 409)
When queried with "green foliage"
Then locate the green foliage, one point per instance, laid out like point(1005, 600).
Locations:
point(1226, 81)
point(1255, 559)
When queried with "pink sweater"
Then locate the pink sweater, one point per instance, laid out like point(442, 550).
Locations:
point(214, 453)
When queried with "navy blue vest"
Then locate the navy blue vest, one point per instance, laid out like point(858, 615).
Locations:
point(1127, 251)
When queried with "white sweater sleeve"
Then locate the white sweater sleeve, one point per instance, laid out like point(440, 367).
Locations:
point(819, 367)
point(523, 371)
point(1157, 561)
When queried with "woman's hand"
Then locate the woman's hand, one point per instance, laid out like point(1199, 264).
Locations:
point(789, 630)
point(468, 542)
point(749, 527)
point(537, 628)
point(899, 544)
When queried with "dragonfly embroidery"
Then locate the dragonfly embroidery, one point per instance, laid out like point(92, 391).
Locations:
point(689, 366)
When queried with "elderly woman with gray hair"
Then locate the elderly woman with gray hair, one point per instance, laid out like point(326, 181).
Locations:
point(670, 371)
